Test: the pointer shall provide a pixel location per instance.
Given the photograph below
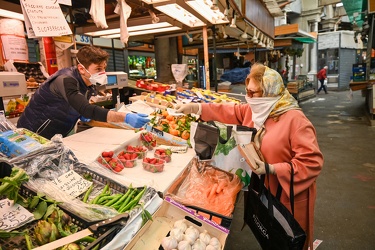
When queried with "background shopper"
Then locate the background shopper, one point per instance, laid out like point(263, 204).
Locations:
point(64, 98)
point(322, 76)
point(286, 136)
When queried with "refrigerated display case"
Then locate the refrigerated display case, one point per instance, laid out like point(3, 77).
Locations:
point(192, 77)
point(141, 66)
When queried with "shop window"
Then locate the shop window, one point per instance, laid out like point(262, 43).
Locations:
point(330, 58)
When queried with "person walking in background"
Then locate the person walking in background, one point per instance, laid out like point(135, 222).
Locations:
point(322, 75)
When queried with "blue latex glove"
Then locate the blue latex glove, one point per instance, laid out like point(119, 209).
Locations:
point(136, 120)
point(84, 119)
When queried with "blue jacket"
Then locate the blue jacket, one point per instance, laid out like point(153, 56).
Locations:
point(49, 114)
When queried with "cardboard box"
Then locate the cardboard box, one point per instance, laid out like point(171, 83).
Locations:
point(165, 138)
point(151, 234)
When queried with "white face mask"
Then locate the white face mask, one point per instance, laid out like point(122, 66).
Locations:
point(99, 78)
point(261, 107)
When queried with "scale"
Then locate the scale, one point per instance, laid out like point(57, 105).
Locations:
point(12, 84)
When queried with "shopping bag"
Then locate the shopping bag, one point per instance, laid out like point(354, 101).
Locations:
point(270, 221)
point(325, 82)
point(218, 142)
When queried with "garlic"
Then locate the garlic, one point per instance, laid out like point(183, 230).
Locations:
point(184, 245)
point(180, 224)
point(191, 234)
point(211, 247)
point(168, 243)
point(199, 245)
point(205, 237)
point(215, 242)
point(177, 234)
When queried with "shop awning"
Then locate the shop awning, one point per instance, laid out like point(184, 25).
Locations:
point(292, 31)
point(357, 6)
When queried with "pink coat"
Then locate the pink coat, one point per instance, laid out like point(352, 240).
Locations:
point(290, 139)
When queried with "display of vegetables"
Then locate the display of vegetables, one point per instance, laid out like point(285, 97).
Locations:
point(10, 185)
point(175, 125)
point(184, 237)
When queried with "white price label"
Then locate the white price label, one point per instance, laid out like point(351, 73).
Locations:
point(72, 183)
point(13, 216)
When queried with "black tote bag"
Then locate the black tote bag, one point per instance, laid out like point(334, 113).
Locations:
point(270, 221)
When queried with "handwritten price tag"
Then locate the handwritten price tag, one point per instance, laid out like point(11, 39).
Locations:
point(72, 183)
point(13, 216)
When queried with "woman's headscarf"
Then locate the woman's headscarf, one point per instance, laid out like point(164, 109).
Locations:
point(273, 85)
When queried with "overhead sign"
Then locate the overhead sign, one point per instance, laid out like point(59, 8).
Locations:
point(44, 18)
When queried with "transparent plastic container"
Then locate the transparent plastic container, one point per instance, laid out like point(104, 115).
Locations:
point(164, 154)
point(141, 151)
point(128, 159)
point(153, 165)
point(110, 161)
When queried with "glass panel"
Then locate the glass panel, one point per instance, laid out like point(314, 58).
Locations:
point(142, 67)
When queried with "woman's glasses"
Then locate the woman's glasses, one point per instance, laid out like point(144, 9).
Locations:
point(251, 93)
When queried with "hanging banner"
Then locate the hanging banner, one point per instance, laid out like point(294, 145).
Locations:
point(45, 18)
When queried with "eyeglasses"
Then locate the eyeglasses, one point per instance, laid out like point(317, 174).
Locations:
point(251, 93)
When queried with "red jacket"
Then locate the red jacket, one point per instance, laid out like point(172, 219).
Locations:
point(322, 74)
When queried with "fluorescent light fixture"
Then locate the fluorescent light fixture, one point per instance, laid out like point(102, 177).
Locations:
point(154, 1)
point(339, 4)
point(145, 32)
point(11, 14)
point(207, 9)
point(179, 13)
point(131, 28)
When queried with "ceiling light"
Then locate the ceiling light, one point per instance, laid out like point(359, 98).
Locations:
point(131, 28)
point(154, 18)
point(233, 24)
point(145, 32)
point(207, 9)
point(11, 14)
point(224, 34)
point(261, 41)
point(244, 35)
point(190, 39)
point(177, 12)
point(255, 37)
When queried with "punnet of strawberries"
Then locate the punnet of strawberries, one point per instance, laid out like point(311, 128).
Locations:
point(129, 160)
point(141, 151)
point(153, 165)
point(110, 161)
point(164, 154)
point(148, 140)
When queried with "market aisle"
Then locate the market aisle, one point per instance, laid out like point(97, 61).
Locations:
point(345, 206)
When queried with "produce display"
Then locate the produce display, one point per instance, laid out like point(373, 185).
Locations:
point(51, 222)
point(184, 237)
point(164, 154)
point(153, 165)
point(110, 161)
point(205, 95)
point(175, 125)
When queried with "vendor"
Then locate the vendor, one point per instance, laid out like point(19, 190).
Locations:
point(64, 98)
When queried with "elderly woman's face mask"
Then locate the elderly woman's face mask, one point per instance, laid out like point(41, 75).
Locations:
point(253, 89)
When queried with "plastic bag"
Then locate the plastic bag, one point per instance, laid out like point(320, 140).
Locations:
point(208, 187)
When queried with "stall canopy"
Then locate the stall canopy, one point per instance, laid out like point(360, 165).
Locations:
point(293, 32)
point(355, 10)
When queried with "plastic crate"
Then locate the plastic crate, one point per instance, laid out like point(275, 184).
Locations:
point(103, 237)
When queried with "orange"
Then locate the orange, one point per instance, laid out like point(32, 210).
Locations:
point(185, 135)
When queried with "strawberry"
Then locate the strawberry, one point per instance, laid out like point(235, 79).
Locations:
point(117, 169)
point(129, 164)
point(107, 159)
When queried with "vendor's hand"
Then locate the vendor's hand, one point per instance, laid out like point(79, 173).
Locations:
point(136, 120)
point(190, 108)
point(84, 119)
point(262, 167)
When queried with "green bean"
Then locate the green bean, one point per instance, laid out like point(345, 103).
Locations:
point(87, 194)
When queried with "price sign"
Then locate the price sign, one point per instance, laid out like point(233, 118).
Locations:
point(45, 17)
point(13, 215)
point(72, 183)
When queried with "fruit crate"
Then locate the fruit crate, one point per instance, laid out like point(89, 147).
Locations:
point(103, 237)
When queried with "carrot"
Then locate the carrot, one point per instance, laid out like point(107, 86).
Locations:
point(221, 186)
point(212, 191)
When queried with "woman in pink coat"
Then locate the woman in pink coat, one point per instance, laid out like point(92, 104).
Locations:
point(285, 136)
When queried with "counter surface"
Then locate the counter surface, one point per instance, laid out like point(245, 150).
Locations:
point(88, 144)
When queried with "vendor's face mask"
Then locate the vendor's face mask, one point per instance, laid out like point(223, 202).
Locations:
point(99, 78)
